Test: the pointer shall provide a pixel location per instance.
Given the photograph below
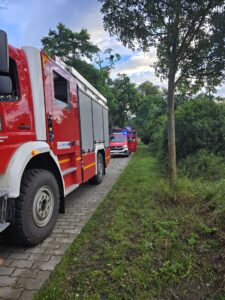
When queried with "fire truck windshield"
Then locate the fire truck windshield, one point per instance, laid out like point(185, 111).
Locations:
point(118, 138)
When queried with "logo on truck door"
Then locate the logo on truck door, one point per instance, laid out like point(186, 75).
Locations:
point(63, 145)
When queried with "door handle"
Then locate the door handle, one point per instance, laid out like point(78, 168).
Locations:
point(23, 126)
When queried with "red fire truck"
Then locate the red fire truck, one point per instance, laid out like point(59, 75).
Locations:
point(123, 141)
point(53, 137)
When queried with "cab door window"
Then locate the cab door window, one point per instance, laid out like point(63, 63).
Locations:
point(61, 90)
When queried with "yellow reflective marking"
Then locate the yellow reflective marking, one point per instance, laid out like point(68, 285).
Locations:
point(88, 166)
point(78, 158)
point(108, 157)
point(64, 161)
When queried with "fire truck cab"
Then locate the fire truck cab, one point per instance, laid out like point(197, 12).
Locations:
point(53, 137)
point(123, 141)
point(119, 144)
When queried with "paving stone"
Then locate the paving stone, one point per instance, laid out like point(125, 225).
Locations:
point(57, 230)
point(50, 265)
point(39, 257)
point(7, 262)
point(6, 281)
point(34, 284)
point(76, 230)
point(8, 293)
point(64, 241)
point(27, 295)
point(59, 235)
point(26, 269)
point(6, 270)
point(25, 273)
point(20, 263)
point(36, 250)
point(57, 252)
point(19, 255)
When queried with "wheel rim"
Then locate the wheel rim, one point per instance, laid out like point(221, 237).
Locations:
point(43, 206)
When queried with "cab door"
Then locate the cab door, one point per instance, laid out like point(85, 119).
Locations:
point(62, 119)
point(61, 122)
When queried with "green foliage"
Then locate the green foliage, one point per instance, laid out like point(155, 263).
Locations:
point(127, 100)
point(190, 40)
point(147, 247)
point(150, 111)
point(192, 239)
point(178, 30)
point(203, 165)
point(68, 45)
point(200, 124)
point(205, 229)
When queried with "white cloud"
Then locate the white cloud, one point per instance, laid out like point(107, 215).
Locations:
point(137, 63)
point(139, 68)
point(27, 21)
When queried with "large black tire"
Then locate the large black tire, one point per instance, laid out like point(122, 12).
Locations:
point(97, 179)
point(36, 209)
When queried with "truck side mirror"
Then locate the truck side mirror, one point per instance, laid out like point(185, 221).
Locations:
point(5, 85)
point(4, 53)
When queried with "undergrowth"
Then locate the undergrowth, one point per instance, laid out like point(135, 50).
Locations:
point(147, 241)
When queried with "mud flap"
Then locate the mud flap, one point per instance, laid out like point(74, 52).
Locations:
point(3, 209)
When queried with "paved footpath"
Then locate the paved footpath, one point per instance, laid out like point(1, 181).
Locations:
point(24, 270)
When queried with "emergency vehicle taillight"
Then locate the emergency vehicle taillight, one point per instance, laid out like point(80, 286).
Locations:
point(1, 126)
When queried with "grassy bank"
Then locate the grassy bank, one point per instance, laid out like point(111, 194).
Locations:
point(146, 242)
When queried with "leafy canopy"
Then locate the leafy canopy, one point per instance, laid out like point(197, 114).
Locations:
point(76, 50)
point(188, 35)
point(127, 99)
point(67, 44)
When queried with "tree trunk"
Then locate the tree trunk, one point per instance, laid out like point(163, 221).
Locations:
point(171, 127)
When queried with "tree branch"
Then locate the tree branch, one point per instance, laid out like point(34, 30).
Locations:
point(184, 45)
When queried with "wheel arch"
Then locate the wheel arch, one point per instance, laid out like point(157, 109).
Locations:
point(100, 148)
point(27, 156)
point(102, 151)
point(46, 162)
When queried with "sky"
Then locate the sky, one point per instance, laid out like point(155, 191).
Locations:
point(27, 21)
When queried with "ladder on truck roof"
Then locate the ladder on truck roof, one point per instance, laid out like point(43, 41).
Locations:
point(83, 83)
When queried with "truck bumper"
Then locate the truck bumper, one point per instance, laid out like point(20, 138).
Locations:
point(119, 152)
point(3, 211)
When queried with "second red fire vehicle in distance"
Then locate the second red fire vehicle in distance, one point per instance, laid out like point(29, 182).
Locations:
point(123, 141)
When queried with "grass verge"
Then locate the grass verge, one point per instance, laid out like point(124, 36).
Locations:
point(145, 241)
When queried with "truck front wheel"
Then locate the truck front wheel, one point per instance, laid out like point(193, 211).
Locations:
point(36, 208)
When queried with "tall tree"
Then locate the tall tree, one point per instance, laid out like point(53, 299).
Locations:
point(68, 45)
point(75, 49)
point(127, 100)
point(190, 41)
point(152, 106)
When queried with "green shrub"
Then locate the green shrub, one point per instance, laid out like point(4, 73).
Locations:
point(157, 130)
point(200, 124)
point(203, 165)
